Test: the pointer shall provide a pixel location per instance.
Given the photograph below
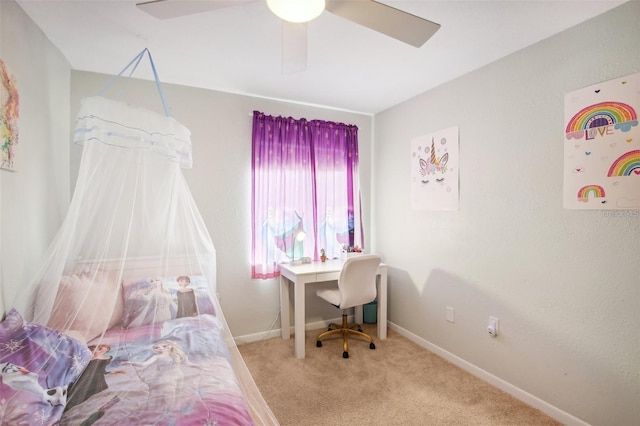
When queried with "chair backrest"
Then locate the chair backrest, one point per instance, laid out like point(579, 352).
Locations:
point(357, 280)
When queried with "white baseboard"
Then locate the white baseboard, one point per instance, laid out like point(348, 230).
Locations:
point(252, 338)
point(561, 416)
point(256, 337)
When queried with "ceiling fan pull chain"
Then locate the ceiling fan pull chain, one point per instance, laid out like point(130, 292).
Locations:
point(136, 61)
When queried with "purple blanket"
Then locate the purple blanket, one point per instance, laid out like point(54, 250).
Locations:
point(173, 373)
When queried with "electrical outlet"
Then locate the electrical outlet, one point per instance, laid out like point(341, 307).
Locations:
point(493, 327)
point(450, 314)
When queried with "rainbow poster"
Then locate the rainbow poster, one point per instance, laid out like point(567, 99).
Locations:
point(434, 171)
point(602, 146)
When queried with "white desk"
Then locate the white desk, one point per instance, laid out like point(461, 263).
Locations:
point(301, 275)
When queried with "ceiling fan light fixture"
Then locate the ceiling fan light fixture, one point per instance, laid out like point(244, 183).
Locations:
point(297, 11)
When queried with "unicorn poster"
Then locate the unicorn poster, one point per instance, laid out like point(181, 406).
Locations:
point(434, 171)
point(602, 146)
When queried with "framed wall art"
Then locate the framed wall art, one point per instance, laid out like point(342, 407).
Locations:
point(9, 132)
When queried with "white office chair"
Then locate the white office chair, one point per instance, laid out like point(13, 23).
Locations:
point(356, 286)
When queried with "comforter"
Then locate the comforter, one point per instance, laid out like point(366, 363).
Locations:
point(177, 372)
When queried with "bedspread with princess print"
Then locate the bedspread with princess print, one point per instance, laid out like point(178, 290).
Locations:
point(175, 372)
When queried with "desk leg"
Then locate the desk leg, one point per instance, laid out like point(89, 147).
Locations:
point(382, 305)
point(299, 330)
point(285, 322)
point(358, 314)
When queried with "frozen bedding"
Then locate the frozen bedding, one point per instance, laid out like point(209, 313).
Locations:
point(177, 372)
point(161, 360)
point(37, 365)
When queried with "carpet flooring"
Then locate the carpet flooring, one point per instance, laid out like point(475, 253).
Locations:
point(398, 383)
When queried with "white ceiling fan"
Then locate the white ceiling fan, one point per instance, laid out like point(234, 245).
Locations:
point(295, 14)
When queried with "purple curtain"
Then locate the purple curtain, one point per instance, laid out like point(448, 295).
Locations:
point(305, 178)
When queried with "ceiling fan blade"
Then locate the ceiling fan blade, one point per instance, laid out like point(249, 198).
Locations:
point(167, 9)
point(388, 20)
point(294, 47)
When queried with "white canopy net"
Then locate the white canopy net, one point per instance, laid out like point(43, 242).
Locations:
point(131, 218)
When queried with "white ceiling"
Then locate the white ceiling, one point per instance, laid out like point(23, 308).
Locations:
point(238, 49)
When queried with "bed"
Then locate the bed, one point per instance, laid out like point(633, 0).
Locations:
point(170, 373)
point(130, 274)
point(160, 355)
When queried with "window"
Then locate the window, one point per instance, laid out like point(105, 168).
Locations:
point(305, 178)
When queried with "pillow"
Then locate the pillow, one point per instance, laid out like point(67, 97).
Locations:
point(37, 364)
point(153, 300)
point(75, 334)
point(87, 304)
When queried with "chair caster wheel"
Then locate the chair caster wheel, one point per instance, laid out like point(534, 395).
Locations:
point(372, 346)
point(345, 354)
point(318, 344)
point(360, 329)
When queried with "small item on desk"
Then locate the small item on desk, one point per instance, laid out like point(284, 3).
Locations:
point(306, 260)
point(323, 255)
point(348, 251)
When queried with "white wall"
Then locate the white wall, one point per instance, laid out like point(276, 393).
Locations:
point(34, 199)
point(565, 284)
point(220, 181)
